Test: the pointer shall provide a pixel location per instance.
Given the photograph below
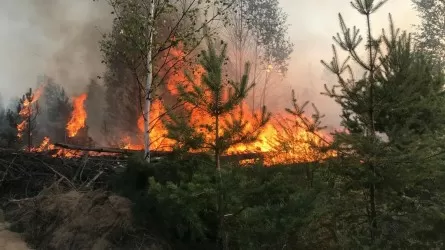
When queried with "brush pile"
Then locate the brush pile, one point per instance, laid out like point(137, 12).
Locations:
point(65, 203)
point(24, 174)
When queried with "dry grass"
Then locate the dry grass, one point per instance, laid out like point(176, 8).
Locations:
point(75, 220)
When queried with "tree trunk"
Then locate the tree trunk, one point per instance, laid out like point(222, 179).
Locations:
point(148, 84)
point(221, 233)
point(372, 189)
point(29, 129)
point(254, 76)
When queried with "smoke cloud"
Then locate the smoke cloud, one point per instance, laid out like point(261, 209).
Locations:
point(58, 38)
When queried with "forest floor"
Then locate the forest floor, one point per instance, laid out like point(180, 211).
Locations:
point(58, 203)
point(10, 240)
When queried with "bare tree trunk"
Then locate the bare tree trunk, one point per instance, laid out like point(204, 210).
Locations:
point(29, 129)
point(254, 75)
point(372, 188)
point(221, 232)
point(217, 153)
point(148, 84)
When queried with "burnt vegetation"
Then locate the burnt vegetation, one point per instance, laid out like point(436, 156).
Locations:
point(169, 149)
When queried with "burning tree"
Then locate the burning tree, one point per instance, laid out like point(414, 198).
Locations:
point(301, 138)
point(147, 30)
point(28, 110)
point(76, 128)
point(219, 99)
point(57, 110)
point(214, 118)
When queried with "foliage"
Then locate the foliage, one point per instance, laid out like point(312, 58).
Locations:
point(266, 20)
point(95, 107)
point(8, 128)
point(125, 48)
point(410, 90)
point(143, 36)
point(430, 35)
point(28, 110)
point(400, 96)
point(257, 33)
point(57, 110)
point(384, 187)
point(217, 98)
point(266, 208)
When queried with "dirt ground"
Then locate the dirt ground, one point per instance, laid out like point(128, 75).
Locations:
point(10, 240)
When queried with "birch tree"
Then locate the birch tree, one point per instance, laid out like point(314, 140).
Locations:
point(258, 33)
point(218, 98)
point(146, 32)
point(431, 30)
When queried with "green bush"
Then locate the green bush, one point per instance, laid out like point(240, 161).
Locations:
point(264, 208)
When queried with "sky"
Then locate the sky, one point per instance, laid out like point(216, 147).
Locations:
point(312, 25)
point(60, 38)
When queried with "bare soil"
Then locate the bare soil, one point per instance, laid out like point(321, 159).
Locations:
point(10, 240)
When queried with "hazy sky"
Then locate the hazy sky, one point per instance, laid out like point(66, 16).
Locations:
point(59, 37)
point(313, 23)
point(54, 37)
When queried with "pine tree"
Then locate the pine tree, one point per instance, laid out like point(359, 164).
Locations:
point(95, 105)
point(28, 109)
point(9, 132)
point(362, 124)
point(219, 99)
point(56, 111)
point(399, 97)
point(139, 22)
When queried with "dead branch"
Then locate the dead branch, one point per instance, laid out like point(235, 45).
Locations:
point(98, 150)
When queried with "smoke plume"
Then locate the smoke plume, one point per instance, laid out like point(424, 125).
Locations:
point(313, 23)
point(58, 38)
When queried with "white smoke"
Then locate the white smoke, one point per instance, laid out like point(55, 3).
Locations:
point(313, 23)
point(58, 38)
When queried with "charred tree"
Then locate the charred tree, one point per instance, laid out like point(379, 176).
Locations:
point(28, 109)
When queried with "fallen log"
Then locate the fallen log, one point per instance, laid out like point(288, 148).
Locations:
point(232, 157)
point(98, 150)
point(110, 150)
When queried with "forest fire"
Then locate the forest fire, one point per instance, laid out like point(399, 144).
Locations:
point(299, 143)
point(78, 117)
point(28, 109)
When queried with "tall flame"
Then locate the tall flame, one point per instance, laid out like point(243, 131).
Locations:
point(297, 146)
point(78, 116)
point(300, 142)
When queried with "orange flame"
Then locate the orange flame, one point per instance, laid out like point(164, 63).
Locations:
point(78, 116)
point(27, 110)
point(267, 142)
point(46, 146)
point(297, 146)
